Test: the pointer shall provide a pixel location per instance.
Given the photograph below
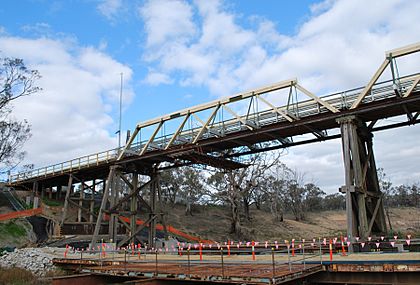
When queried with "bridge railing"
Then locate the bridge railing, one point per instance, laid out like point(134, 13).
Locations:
point(68, 166)
point(302, 109)
point(341, 101)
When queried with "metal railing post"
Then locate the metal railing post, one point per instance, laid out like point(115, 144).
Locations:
point(320, 250)
point(189, 269)
point(125, 259)
point(223, 265)
point(100, 256)
point(81, 259)
point(303, 254)
point(274, 264)
point(156, 261)
point(288, 257)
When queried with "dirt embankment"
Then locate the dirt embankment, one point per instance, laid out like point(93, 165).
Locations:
point(16, 232)
point(212, 222)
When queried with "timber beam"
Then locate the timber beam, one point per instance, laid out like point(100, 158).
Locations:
point(364, 205)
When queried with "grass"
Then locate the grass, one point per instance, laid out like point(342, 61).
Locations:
point(12, 229)
point(52, 203)
point(17, 276)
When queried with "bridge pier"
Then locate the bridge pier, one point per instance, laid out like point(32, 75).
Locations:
point(133, 205)
point(152, 203)
point(35, 187)
point(114, 193)
point(364, 200)
point(117, 200)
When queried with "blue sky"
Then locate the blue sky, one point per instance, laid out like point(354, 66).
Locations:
point(122, 35)
point(176, 53)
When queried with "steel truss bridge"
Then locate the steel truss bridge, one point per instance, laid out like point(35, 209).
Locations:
point(220, 134)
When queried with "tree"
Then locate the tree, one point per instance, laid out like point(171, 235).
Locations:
point(313, 197)
point(334, 201)
point(171, 182)
point(385, 186)
point(243, 187)
point(16, 80)
point(193, 189)
point(295, 196)
point(274, 187)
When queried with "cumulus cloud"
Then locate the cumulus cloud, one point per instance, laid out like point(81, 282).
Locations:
point(339, 46)
point(109, 8)
point(157, 78)
point(38, 29)
point(167, 20)
point(72, 116)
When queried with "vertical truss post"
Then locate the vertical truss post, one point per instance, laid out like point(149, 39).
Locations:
point(66, 199)
point(58, 194)
point(42, 191)
point(34, 190)
point(81, 197)
point(133, 206)
point(92, 201)
point(364, 208)
point(161, 208)
point(102, 209)
point(152, 215)
point(375, 205)
point(113, 199)
point(351, 228)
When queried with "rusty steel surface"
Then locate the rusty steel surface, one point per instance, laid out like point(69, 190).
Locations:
point(256, 273)
point(248, 272)
point(261, 273)
point(384, 267)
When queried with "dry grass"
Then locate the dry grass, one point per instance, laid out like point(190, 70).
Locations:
point(18, 276)
point(212, 222)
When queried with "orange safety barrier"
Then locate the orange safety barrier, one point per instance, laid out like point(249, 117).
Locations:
point(169, 229)
point(331, 251)
point(342, 247)
point(253, 250)
point(21, 214)
point(201, 251)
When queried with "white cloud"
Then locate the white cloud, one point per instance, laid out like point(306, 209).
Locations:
point(38, 29)
point(71, 116)
point(338, 47)
point(320, 7)
point(157, 78)
point(109, 8)
point(103, 44)
point(167, 20)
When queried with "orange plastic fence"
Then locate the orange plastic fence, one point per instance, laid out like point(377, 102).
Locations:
point(20, 214)
point(169, 229)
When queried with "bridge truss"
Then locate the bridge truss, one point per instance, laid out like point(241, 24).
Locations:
point(223, 133)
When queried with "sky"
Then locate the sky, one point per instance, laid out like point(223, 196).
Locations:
point(174, 54)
